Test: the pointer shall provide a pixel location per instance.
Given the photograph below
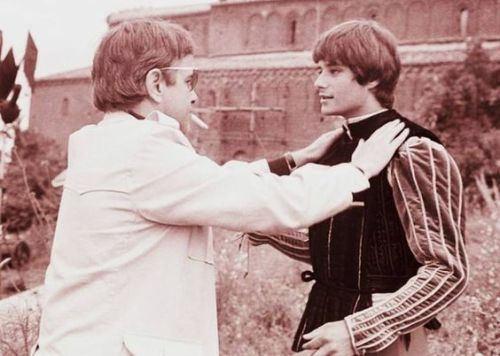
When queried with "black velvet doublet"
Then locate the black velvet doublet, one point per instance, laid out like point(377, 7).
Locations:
point(362, 250)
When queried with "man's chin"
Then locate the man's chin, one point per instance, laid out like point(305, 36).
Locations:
point(327, 112)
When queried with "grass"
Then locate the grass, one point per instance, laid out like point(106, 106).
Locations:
point(260, 299)
point(258, 314)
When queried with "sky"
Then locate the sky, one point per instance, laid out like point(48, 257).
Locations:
point(66, 32)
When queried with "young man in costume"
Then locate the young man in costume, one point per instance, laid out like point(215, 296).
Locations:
point(387, 266)
point(131, 269)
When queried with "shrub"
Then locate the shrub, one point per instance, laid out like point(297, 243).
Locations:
point(19, 327)
point(257, 314)
point(30, 197)
point(463, 106)
point(470, 325)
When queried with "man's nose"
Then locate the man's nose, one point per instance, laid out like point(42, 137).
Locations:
point(319, 82)
point(194, 97)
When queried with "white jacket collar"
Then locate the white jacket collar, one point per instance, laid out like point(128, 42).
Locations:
point(155, 115)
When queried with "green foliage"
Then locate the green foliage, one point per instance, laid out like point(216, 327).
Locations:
point(470, 326)
point(257, 314)
point(30, 197)
point(19, 326)
point(463, 106)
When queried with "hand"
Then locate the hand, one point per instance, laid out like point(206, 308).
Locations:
point(374, 154)
point(316, 149)
point(330, 339)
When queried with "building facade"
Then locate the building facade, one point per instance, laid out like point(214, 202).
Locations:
point(256, 87)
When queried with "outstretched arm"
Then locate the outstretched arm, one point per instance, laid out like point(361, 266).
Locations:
point(171, 184)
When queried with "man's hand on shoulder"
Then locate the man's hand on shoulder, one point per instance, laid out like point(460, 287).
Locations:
point(316, 149)
point(372, 155)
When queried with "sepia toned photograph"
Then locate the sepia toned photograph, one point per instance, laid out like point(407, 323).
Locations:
point(249, 177)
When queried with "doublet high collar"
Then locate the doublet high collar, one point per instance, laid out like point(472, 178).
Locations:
point(365, 128)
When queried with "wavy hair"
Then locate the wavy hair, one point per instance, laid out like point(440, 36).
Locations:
point(127, 53)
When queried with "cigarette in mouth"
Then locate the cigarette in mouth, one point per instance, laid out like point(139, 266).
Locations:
point(198, 122)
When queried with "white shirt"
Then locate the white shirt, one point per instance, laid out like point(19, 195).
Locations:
point(131, 268)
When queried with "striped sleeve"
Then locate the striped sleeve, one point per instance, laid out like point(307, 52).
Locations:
point(427, 190)
point(294, 244)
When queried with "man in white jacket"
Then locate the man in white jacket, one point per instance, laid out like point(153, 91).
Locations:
point(131, 270)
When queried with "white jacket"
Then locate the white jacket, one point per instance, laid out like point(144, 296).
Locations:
point(131, 270)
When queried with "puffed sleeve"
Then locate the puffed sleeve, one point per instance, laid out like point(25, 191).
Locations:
point(427, 190)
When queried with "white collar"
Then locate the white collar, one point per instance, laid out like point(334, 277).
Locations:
point(352, 120)
point(164, 119)
point(155, 115)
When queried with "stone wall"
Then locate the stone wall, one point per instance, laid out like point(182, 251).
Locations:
point(241, 46)
point(291, 89)
point(242, 27)
point(265, 26)
point(60, 107)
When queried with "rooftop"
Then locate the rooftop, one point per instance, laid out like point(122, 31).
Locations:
point(164, 12)
point(81, 73)
point(435, 53)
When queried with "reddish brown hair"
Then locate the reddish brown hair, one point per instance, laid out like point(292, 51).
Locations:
point(368, 49)
point(127, 53)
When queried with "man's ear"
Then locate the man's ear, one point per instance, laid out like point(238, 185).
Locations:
point(153, 85)
point(372, 85)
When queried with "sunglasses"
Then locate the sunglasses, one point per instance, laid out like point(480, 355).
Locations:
point(191, 83)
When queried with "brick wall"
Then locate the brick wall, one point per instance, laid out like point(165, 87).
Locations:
point(238, 28)
point(291, 89)
point(60, 107)
point(264, 26)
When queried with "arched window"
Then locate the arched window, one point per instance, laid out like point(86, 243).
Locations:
point(307, 27)
point(329, 18)
point(241, 155)
point(284, 94)
point(293, 36)
point(255, 38)
point(352, 12)
point(276, 31)
point(372, 13)
point(442, 26)
point(293, 32)
point(486, 14)
point(211, 98)
point(418, 21)
point(395, 19)
point(464, 21)
point(65, 107)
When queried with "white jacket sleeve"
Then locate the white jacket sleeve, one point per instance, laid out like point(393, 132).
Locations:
point(259, 166)
point(171, 184)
